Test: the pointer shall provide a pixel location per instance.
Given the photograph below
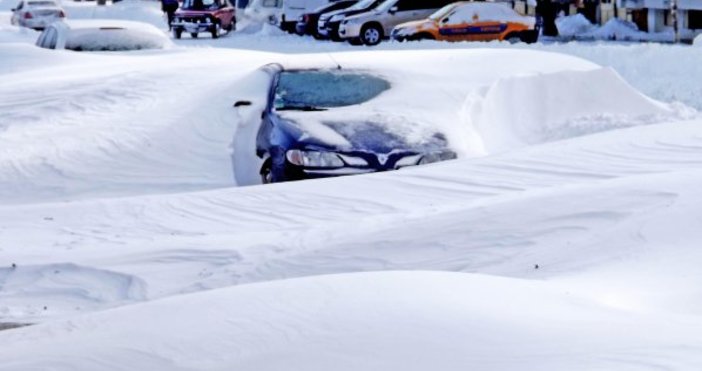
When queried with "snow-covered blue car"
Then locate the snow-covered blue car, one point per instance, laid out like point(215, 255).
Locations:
point(317, 124)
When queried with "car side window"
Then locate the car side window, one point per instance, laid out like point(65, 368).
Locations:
point(405, 5)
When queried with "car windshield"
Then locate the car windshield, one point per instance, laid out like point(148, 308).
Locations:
point(441, 13)
point(318, 90)
point(363, 4)
point(41, 3)
point(200, 4)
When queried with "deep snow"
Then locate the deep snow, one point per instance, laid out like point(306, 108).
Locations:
point(565, 237)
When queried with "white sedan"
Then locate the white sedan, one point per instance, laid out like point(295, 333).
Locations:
point(36, 14)
point(102, 35)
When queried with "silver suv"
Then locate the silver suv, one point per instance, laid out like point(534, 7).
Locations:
point(373, 26)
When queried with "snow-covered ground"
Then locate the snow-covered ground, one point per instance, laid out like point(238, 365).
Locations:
point(565, 237)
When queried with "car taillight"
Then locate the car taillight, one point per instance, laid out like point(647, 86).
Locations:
point(28, 15)
point(62, 14)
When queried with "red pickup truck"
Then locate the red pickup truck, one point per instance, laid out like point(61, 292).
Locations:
point(195, 16)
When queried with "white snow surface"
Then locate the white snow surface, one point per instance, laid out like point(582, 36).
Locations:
point(565, 237)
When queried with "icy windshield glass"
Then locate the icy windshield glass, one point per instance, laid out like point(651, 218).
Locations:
point(42, 3)
point(318, 90)
point(363, 4)
point(200, 5)
point(442, 12)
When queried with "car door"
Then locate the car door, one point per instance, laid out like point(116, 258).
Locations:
point(405, 11)
point(225, 13)
point(467, 23)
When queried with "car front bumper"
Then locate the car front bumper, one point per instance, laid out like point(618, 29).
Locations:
point(192, 26)
point(349, 30)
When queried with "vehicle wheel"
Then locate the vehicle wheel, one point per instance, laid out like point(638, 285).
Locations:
point(513, 38)
point(193, 35)
point(371, 34)
point(177, 33)
point(266, 172)
point(229, 27)
point(215, 31)
point(529, 37)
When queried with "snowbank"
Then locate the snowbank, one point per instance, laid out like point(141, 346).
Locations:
point(697, 41)
point(365, 321)
point(37, 291)
point(16, 34)
point(574, 25)
point(520, 111)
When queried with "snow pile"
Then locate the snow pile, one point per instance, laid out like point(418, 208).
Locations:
point(131, 10)
point(697, 41)
point(574, 25)
point(15, 34)
point(30, 293)
point(520, 111)
point(409, 321)
point(618, 29)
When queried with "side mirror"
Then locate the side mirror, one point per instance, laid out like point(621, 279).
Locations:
point(242, 103)
point(445, 20)
point(13, 9)
point(393, 10)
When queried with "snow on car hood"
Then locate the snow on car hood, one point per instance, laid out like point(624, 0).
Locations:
point(360, 129)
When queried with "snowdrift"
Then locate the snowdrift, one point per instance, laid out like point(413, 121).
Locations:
point(528, 110)
point(573, 25)
point(363, 321)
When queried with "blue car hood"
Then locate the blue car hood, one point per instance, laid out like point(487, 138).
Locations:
point(367, 136)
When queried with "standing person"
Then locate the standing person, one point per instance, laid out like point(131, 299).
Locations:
point(169, 7)
point(546, 11)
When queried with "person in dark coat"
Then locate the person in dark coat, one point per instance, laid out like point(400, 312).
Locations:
point(546, 11)
point(169, 7)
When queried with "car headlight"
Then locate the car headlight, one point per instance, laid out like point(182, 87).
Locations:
point(433, 157)
point(336, 18)
point(313, 158)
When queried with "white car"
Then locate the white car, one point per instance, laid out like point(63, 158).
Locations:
point(373, 26)
point(102, 35)
point(36, 14)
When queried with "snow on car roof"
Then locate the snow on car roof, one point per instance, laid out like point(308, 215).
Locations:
point(94, 35)
point(42, 3)
point(110, 23)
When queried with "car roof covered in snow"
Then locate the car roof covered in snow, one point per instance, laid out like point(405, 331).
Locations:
point(87, 35)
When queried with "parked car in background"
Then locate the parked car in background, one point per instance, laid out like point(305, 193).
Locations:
point(268, 11)
point(36, 14)
point(307, 22)
point(372, 27)
point(293, 9)
point(471, 21)
point(313, 127)
point(328, 25)
point(102, 35)
point(195, 16)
